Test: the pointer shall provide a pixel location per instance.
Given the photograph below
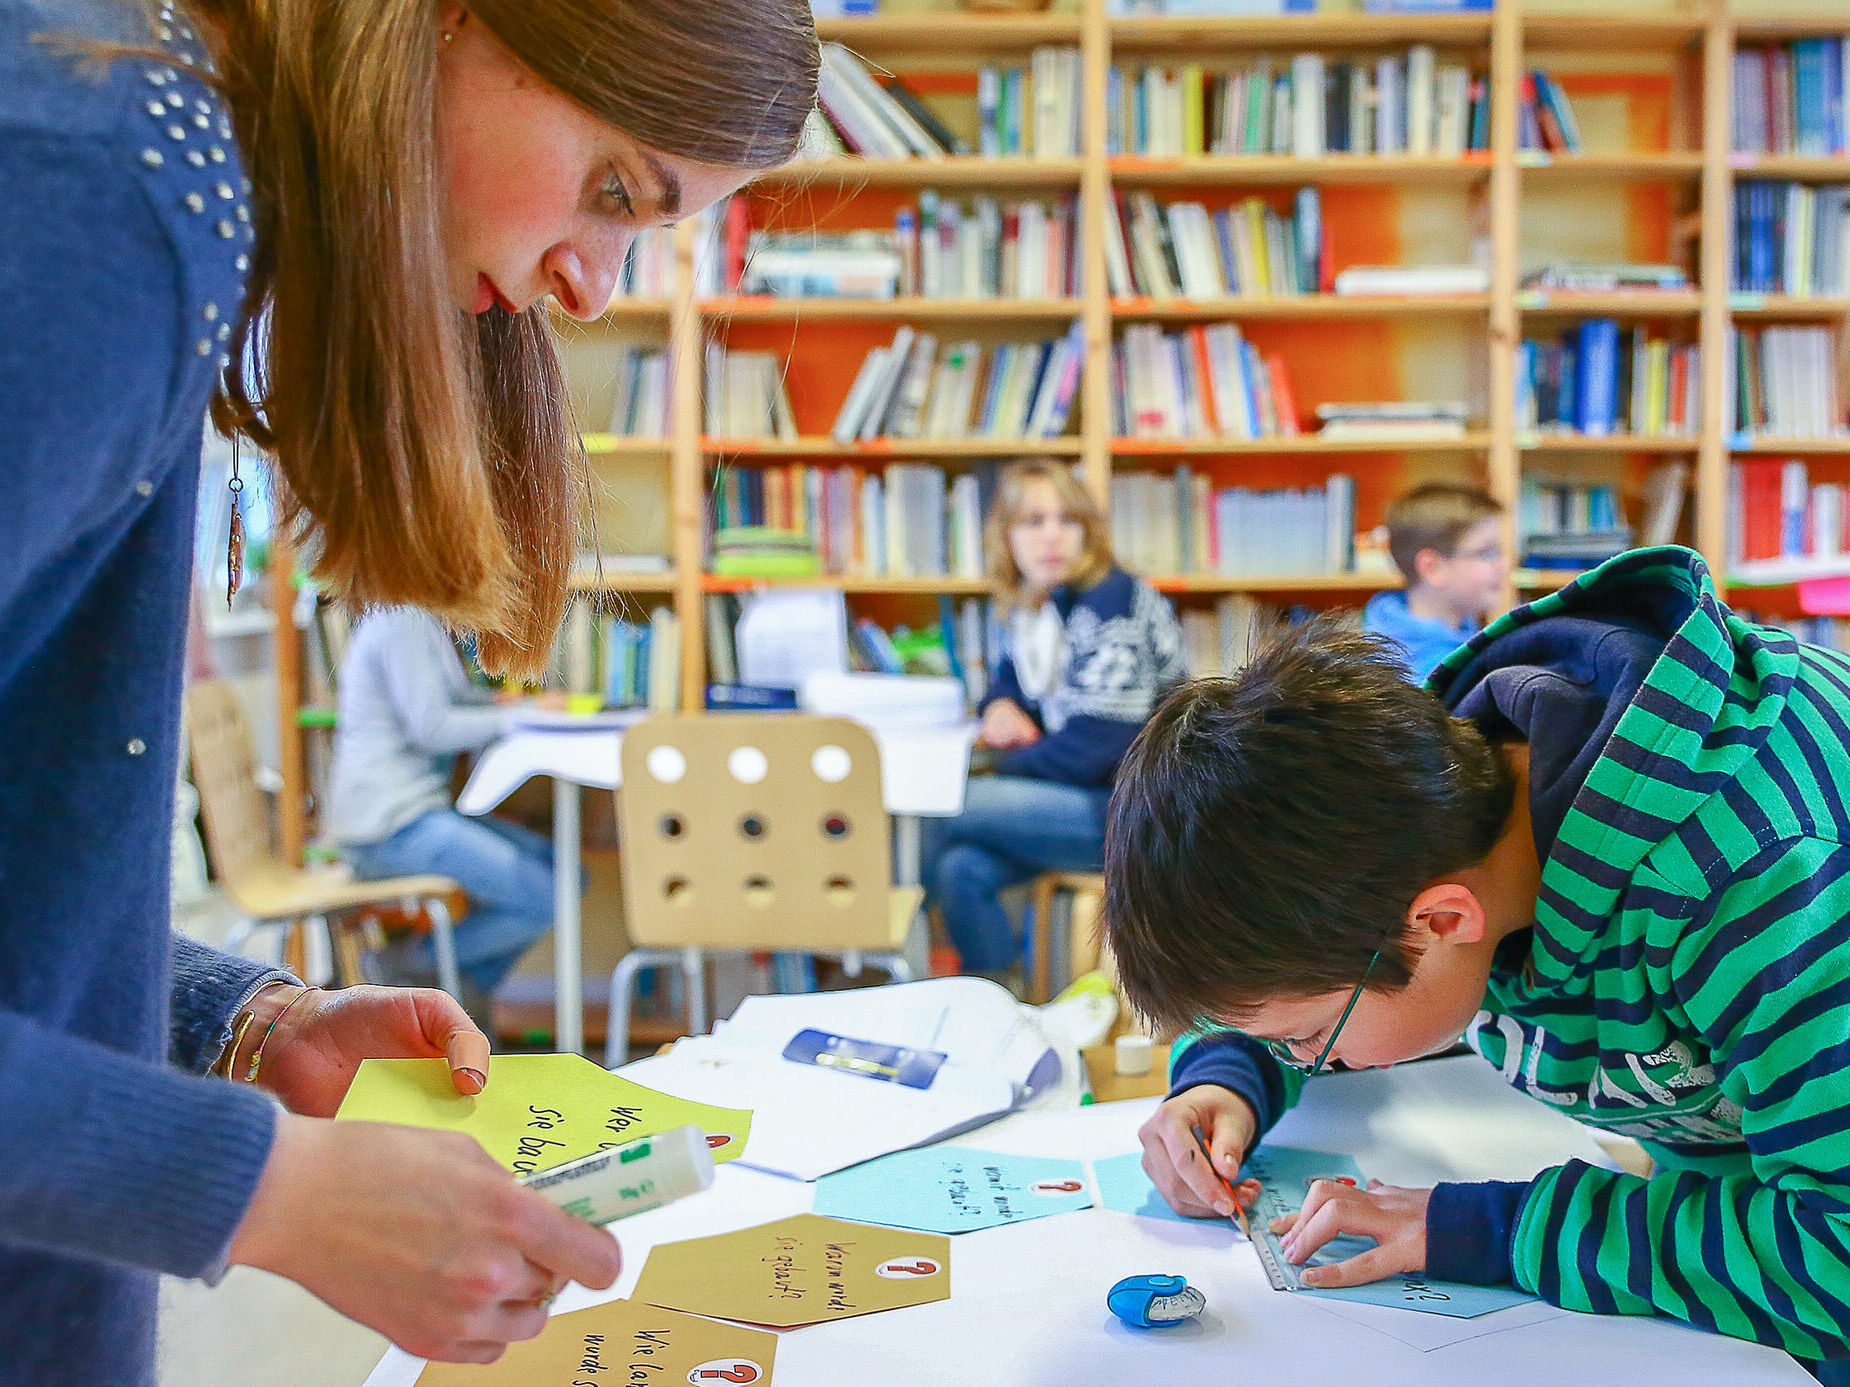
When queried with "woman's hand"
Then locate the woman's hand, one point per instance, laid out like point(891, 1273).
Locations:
point(417, 1234)
point(311, 1057)
point(1173, 1161)
point(1005, 725)
point(1395, 1218)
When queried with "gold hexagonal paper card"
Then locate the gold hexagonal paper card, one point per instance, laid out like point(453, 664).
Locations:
point(621, 1341)
point(800, 1270)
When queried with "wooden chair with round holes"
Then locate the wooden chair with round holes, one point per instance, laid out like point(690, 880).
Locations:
point(256, 878)
point(753, 832)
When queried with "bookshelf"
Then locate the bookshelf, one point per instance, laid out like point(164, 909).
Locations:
point(1660, 184)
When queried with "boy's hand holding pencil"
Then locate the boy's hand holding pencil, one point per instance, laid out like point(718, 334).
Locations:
point(1199, 1174)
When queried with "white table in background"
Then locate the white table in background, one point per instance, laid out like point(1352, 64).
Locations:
point(922, 773)
point(1028, 1301)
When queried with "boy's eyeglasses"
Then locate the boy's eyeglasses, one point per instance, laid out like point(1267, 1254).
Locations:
point(1282, 1051)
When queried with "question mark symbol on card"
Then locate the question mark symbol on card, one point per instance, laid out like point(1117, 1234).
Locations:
point(917, 1266)
point(716, 1140)
point(1067, 1186)
point(740, 1370)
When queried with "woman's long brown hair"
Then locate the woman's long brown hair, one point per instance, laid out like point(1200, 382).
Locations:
point(422, 456)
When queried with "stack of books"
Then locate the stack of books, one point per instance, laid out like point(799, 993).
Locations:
point(1224, 638)
point(1597, 379)
point(763, 551)
point(1181, 523)
point(1398, 280)
point(1783, 381)
point(1789, 98)
point(1306, 106)
point(1205, 381)
point(913, 389)
point(1791, 238)
point(819, 265)
point(745, 395)
point(1392, 420)
point(1183, 249)
point(642, 402)
point(1599, 277)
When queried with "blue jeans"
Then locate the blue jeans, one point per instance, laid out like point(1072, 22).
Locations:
point(1011, 829)
point(505, 870)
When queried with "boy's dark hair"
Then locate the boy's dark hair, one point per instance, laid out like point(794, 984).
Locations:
point(1434, 516)
point(1269, 831)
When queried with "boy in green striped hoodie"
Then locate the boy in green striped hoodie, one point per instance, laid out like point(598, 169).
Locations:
point(1609, 845)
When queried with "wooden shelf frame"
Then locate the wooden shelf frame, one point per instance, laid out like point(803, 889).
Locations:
point(1702, 35)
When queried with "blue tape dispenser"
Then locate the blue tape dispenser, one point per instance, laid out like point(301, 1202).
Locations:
point(1155, 1302)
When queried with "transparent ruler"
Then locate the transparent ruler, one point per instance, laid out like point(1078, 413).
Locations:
point(1284, 1175)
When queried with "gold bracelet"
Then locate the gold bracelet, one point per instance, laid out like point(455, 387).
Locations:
point(250, 1074)
point(239, 1027)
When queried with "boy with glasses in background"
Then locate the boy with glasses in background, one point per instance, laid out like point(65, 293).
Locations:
point(1609, 846)
point(1447, 542)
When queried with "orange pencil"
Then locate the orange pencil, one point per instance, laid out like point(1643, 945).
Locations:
point(1239, 1214)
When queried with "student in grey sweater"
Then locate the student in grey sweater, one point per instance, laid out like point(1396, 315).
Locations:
point(406, 709)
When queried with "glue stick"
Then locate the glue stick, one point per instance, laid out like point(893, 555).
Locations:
point(629, 1179)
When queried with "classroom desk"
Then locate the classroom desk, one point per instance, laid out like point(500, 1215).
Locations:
point(1028, 1301)
point(922, 775)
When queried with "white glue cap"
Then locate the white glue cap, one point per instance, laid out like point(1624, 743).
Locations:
point(682, 1160)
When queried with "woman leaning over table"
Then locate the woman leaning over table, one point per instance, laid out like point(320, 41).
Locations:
point(1087, 650)
point(335, 224)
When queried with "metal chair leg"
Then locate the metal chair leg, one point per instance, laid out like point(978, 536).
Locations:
point(443, 942)
point(694, 969)
point(617, 1014)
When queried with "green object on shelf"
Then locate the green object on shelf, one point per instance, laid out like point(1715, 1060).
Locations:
point(316, 717)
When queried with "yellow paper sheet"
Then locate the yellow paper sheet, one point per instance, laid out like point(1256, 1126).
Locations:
point(538, 1110)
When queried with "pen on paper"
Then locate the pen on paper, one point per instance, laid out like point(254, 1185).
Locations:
point(1239, 1214)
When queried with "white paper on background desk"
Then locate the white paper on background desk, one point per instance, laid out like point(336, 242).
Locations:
point(787, 634)
point(808, 1121)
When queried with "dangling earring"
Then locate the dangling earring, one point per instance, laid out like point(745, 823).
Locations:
point(234, 550)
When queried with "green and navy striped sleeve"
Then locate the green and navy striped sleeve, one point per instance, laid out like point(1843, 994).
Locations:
point(1760, 969)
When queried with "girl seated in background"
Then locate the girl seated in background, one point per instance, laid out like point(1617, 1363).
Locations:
point(1087, 650)
point(407, 708)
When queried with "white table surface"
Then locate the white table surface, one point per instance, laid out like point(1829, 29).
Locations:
point(1028, 1301)
point(923, 771)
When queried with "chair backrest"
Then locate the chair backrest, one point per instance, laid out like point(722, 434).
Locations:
point(224, 760)
point(754, 831)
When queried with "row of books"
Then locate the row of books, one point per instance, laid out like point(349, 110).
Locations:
point(745, 395)
point(912, 520)
point(1570, 524)
point(643, 401)
point(1598, 379)
point(1183, 249)
point(1791, 238)
point(648, 266)
point(942, 248)
point(1783, 381)
point(1789, 97)
point(629, 664)
point(1224, 638)
point(914, 388)
point(1032, 110)
point(1544, 119)
point(1202, 381)
point(1180, 522)
point(1775, 511)
point(1305, 105)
